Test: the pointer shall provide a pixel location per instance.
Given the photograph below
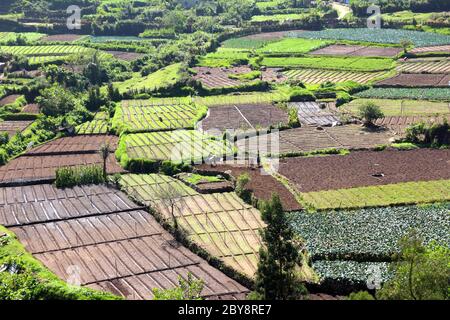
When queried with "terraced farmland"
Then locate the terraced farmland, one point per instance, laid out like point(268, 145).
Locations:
point(222, 224)
point(132, 253)
point(358, 51)
point(310, 113)
point(444, 48)
point(425, 65)
point(144, 116)
point(57, 50)
point(181, 145)
point(399, 124)
point(12, 127)
point(433, 94)
point(318, 76)
point(93, 127)
point(414, 80)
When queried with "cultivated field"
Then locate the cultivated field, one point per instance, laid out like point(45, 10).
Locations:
point(242, 118)
point(307, 139)
point(133, 254)
point(433, 94)
point(366, 168)
point(12, 127)
point(180, 145)
point(391, 107)
point(310, 113)
point(357, 51)
point(222, 224)
point(62, 38)
point(93, 127)
point(318, 76)
point(144, 116)
point(56, 50)
point(444, 48)
point(126, 56)
point(399, 124)
point(416, 80)
point(425, 66)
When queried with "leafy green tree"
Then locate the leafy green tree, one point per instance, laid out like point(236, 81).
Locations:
point(280, 257)
point(55, 101)
point(420, 272)
point(189, 289)
point(370, 112)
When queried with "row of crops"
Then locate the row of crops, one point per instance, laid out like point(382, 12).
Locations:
point(176, 146)
point(45, 50)
point(143, 116)
point(375, 196)
point(318, 76)
point(222, 224)
point(347, 248)
point(442, 94)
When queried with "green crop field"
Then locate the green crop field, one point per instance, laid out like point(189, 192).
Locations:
point(278, 17)
point(93, 127)
point(143, 116)
point(292, 46)
point(176, 146)
point(377, 196)
point(434, 94)
point(224, 57)
point(331, 63)
point(400, 107)
point(245, 43)
point(245, 98)
point(162, 78)
point(389, 36)
point(58, 50)
point(11, 36)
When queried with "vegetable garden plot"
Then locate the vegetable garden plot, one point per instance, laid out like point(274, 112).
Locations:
point(221, 223)
point(399, 124)
point(57, 50)
point(445, 49)
point(62, 38)
point(76, 144)
point(433, 94)
point(93, 127)
point(126, 56)
point(9, 99)
point(318, 76)
point(27, 205)
point(362, 51)
point(310, 113)
point(128, 245)
point(180, 145)
point(309, 139)
point(243, 117)
point(366, 168)
point(406, 108)
point(43, 168)
point(142, 116)
point(32, 108)
point(416, 80)
point(12, 127)
point(406, 193)
point(425, 66)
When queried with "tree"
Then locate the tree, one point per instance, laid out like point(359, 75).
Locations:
point(241, 188)
point(280, 256)
point(104, 153)
point(189, 289)
point(370, 112)
point(55, 101)
point(170, 196)
point(420, 272)
point(405, 43)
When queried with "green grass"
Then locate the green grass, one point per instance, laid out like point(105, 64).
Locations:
point(433, 94)
point(378, 196)
point(407, 16)
point(332, 63)
point(197, 178)
point(400, 107)
point(278, 17)
point(292, 46)
point(393, 36)
point(49, 285)
point(29, 36)
point(245, 43)
point(160, 79)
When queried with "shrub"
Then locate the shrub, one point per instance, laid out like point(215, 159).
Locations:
point(300, 95)
point(370, 112)
point(74, 176)
point(138, 165)
point(169, 168)
point(294, 121)
point(241, 190)
point(361, 295)
point(434, 134)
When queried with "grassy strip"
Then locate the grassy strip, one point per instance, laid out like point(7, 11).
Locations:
point(377, 196)
point(40, 284)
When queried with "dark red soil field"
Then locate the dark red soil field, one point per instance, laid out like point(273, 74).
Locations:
point(126, 56)
point(9, 99)
point(399, 124)
point(43, 168)
point(261, 185)
point(366, 168)
point(270, 35)
point(357, 51)
point(445, 49)
point(62, 38)
point(121, 249)
point(13, 126)
point(76, 144)
point(244, 117)
point(219, 77)
point(416, 80)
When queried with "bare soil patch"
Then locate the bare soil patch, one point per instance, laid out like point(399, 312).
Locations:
point(262, 185)
point(32, 108)
point(270, 35)
point(445, 49)
point(243, 117)
point(127, 56)
point(399, 124)
point(366, 168)
point(9, 99)
point(416, 80)
point(12, 127)
point(311, 113)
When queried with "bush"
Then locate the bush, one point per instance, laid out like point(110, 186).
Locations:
point(361, 295)
point(75, 176)
point(3, 157)
point(241, 190)
point(435, 134)
point(169, 168)
point(370, 112)
point(300, 95)
point(294, 121)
